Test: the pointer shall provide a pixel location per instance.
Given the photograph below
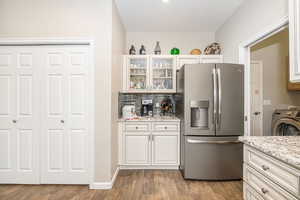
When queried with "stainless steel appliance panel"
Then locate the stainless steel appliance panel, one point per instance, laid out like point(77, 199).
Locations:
point(230, 119)
point(212, 158)
point(199, 87)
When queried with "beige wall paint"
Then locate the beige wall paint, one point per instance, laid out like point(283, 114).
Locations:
point(274, 52)
point(72, 18)
point(251, 18)
point(118, 49)
point(185, 41)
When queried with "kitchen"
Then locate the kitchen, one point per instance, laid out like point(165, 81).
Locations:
point(130, 129)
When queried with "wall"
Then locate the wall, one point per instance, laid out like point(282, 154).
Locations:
point(185, 41)
point(274, 53)
point(118, 49)
point(251, 18)
point(72, 18)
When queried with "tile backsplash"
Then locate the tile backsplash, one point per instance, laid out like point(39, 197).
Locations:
point(136, 99)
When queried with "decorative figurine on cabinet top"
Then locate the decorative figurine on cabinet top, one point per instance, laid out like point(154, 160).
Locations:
point(132, 50)
point(196, 52)
point(142, 50)
point(213, 49)
point(175, 51)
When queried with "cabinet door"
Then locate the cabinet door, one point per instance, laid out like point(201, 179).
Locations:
point(137, 73)
point(137, 149)
point(165, 149)
point(211, 59)
point(19, 114)
point(294, 32)
point(163, 74)
point(182, 60)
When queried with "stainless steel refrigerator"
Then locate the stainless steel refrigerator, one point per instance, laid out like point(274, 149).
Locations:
point(210, 104)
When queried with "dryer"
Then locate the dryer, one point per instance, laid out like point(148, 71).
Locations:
point(286, 122)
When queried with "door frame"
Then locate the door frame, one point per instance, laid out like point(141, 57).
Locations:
point(260, 63)
point(91, 85)
point(244, 58)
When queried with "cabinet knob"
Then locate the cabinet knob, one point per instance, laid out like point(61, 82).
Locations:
point(14, 121)
point(62, 121)
point(166, 128)
point(264, 191)
point(265, 168)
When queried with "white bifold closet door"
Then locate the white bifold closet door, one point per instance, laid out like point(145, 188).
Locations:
point(65, 115)
point(19, 114)
point(44, 118)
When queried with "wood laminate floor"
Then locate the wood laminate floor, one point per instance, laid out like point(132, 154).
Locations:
point(131, 185)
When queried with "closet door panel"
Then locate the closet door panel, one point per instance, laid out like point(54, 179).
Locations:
point(19, 114)
point(67, 102)
point(27, 123)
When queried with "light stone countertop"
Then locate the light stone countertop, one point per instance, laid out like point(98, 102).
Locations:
point(284, 148)
point(152, 119)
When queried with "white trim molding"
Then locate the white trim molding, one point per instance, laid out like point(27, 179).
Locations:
point(244, 58)
point(105, 185)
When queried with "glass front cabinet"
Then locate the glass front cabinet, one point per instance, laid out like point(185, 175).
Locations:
point(155, 74)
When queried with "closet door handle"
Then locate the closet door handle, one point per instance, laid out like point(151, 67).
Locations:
point(62, 121)
point(14, 121)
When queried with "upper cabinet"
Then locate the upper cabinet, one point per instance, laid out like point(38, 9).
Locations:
point(157, 73)
point(192, 59)
point(294, 30)
point(149, 74)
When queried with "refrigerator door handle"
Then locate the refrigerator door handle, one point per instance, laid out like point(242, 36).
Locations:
point(219, 98)
point(215, 96)
point(191, 141)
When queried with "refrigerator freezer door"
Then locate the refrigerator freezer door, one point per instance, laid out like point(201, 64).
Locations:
point(212, 158)
point(230, 115)
point(199, 87)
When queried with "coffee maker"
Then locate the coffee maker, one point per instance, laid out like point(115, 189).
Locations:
point(147, 108)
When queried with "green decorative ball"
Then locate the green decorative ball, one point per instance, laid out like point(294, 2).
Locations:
point(175, 51)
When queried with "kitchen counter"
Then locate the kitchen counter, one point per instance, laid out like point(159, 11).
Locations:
point(151, 119)
point(284, 148)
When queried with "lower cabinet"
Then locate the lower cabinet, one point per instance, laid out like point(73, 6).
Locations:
point(149, 148)
point(267, 178)
point(165, 149)
point(137, 149)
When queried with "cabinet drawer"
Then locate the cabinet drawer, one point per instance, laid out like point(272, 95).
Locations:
point(137, 127)
point(249, 193)
point(165, 126)
point(273, 169)
point(264, 187)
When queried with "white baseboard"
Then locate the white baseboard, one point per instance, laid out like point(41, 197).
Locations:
point(161, 167)
point(105, 185)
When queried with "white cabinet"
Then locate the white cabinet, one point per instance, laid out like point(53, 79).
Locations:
point(187, 59)
point(211, 59)
point(157, 73)
point(194, 59)
point(137, 149)
point(165, 149)
point(154, 147)
point(154, 74)
point(294, 31)
point(267, 178)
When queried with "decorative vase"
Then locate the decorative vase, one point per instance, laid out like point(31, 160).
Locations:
point(157, 50)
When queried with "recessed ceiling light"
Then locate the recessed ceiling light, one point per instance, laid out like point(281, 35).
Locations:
point(165, 1)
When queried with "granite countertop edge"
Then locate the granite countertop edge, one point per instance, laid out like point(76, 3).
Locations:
point(283, 148)
point(151, 119)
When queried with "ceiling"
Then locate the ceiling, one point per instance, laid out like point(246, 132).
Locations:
point(176, 15)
